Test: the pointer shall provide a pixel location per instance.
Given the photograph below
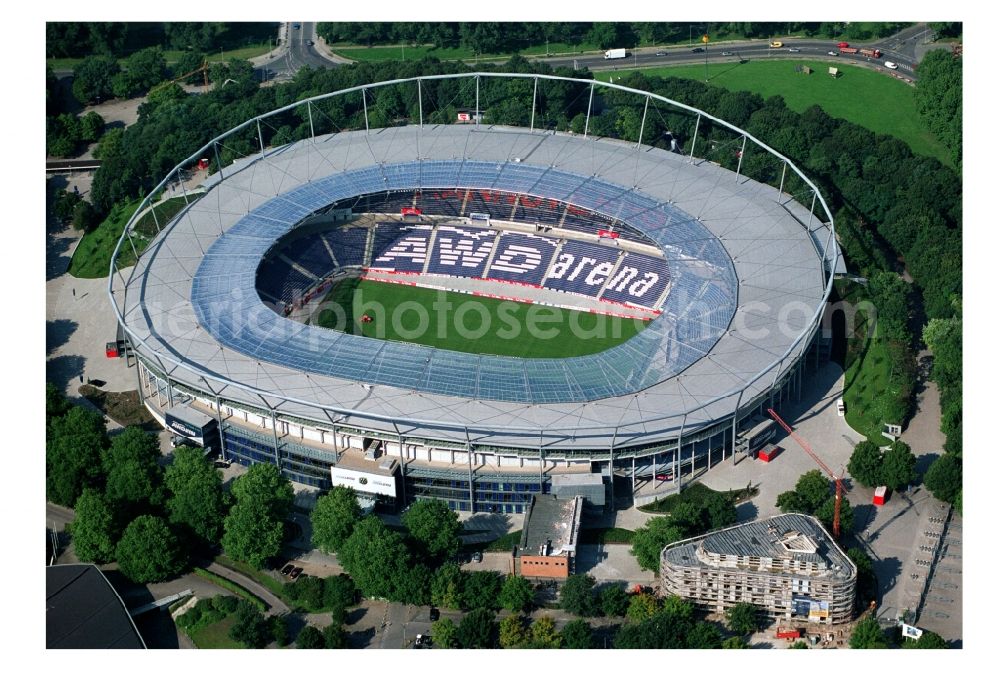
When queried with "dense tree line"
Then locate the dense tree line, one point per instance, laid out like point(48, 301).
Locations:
point(149, 518)
point(939, 98)
point(118, 39)
point(506, 38)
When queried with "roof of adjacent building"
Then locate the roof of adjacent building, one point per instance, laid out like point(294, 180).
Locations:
point(83, 610)
point(551, 521)
point(797, 537)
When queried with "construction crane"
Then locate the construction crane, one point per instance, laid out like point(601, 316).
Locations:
point(203, 69)
point(836, 480)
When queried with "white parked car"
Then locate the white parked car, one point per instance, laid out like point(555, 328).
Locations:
point(840, 406)
point(890, 65)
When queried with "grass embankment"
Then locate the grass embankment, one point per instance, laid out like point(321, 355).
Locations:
point(125, 408)
point(466, 323)
point(258, 576)
point(231, 586)
point(696, 493)
point(216, 635)
point(865, 97)
point(92, 257)
point(874, 377)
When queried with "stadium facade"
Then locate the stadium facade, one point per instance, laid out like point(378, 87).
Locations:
point(734, 274)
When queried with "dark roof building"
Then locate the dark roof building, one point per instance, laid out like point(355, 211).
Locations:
point(83, 610)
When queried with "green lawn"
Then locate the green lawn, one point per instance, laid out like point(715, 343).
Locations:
point(216, 635)
point(462, 322)
point(92, 257)
point(165, 211)
point(606, 536)
point(868, 370)
point(865, 97)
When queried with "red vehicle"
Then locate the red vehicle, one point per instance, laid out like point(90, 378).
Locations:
point(789, 634)
point(873, 53)
point(843, 44)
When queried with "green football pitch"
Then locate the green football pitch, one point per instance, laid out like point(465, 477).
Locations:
point(467, 323)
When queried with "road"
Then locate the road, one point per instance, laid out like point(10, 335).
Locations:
point(295, 53)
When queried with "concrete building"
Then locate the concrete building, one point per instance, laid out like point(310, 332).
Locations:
point(549, 538)
point(788, 565)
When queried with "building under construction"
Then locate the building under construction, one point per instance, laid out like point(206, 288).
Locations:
point(787, 565)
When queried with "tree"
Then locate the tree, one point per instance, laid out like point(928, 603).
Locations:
point(133, 476)
point(944, 477)
point(196, 499)
point(254, 528)
point(93, 530)
point(865, 464)
point(84, 216)
point(143, 69)
point(736, 643)
point(687, 516)
point(614, 601)
point(56, 404)
point(339, 591)
point(477, 630)
point(826, 511)
point(91, 127)
point(482, 590)
point(799, 645)
point(790, 501)
point(310, 638)
point(92, 79)
point(334, 637)
point(251, 628)
point(577, 635)
point(148, 552)
point(279, 630)
point(704, 636)
point(513, 632)
point(374, 557)
point(334, 518)
point(544, 634)
point(445, 633)
point(813, 489)
point(720, 511)
point(649, 540)
point(434, 527)
point(73, 454)
point(927, 641)
point(899, 466)
point(446, 586)
point(742, 618)
point(641, 607)
point(867, 588)
point(867, 635)
point(577, 595)
point(517, 594)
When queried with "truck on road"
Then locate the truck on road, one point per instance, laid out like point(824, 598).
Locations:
point(872, 53)
point(615, 54)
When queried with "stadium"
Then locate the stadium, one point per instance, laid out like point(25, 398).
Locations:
point(716, 282)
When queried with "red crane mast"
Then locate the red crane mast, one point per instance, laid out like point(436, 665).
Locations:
point(837, 480)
